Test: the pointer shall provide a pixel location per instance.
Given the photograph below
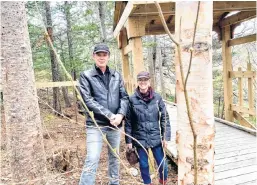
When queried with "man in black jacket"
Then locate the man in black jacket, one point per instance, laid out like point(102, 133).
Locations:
point(103, 91)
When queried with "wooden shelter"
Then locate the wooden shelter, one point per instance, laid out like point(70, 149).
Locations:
point(135, 19)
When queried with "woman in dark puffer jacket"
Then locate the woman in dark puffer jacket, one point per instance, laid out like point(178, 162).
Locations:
point(148, 121)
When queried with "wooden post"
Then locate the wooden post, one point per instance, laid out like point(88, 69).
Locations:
point(219, 109)
point(200, 92)
point(227, 66)
point(250, 89)
point(136, 29)
point(240, 91)
point(137, 55)
point(125, 60)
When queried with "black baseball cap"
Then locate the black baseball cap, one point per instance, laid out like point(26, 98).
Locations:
point(101, 48)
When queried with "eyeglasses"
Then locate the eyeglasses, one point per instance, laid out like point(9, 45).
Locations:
point(142, 79)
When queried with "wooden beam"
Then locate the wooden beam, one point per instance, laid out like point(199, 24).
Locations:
point(135, 27)
point(242, 120)
point(146, 8)
point(127, 49)
point(156, 29)
point(227, 67)
point(243, 110)
point(118, 8)
point(126, 13)
point(242, 74)
point(242, 40)
point(239, 17)
point(119, 40)
point(229, 6)
point(40, 85)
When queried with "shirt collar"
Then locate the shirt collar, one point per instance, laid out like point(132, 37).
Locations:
point(99, 70)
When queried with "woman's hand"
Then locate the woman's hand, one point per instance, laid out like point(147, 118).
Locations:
point(129, 146)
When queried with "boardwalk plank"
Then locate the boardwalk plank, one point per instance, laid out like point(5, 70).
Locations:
point(234, 149)
point(235, 165)
point(234, 159)
point(249, 183)
point(238, 141)
point(241, 179)
point(235, 153)
point(235, 172)
point(233, 137)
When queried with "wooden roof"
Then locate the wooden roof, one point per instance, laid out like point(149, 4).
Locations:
point(146, 11)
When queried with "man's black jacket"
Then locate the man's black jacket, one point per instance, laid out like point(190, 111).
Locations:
point(102, 101)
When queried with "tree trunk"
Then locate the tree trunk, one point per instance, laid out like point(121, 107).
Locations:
point(154, 61)
point(159, 64)
point(101, 5)
point(70, 47)
point(200, 92)
point(151, 67)
point(151, 64)
point(63, 78)
point(65, 94)
point(24, 131)
point(69, 37)
point(160, 60)
point(54, 64)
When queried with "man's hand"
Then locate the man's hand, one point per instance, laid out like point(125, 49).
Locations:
point(129, 146)
point(164, 143)
point(117, 119)
point(112, 117)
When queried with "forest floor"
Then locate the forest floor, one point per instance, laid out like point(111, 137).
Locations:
point(64, 138)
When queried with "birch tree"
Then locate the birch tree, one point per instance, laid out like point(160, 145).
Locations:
point(199, 88)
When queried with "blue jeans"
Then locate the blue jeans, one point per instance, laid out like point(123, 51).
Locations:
point(94, 148)
point(144, 166)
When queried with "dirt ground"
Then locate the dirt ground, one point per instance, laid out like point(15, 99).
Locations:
point(64, 138)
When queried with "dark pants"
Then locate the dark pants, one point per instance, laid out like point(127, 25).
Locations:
point(144, 166)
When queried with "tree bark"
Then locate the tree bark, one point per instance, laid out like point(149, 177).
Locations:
point(69, 37)
point(101, 5)
point(151, 64)
point(200, 93)
point(24, 131)
point(160, 59)
point(54, 64)
point(63, 78)
point(151, 67)
point(154, 61)
point(70, 47)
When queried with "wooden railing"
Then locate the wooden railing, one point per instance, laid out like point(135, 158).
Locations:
point(239, 110)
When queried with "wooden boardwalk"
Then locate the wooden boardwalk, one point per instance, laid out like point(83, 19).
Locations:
point(235, 153)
